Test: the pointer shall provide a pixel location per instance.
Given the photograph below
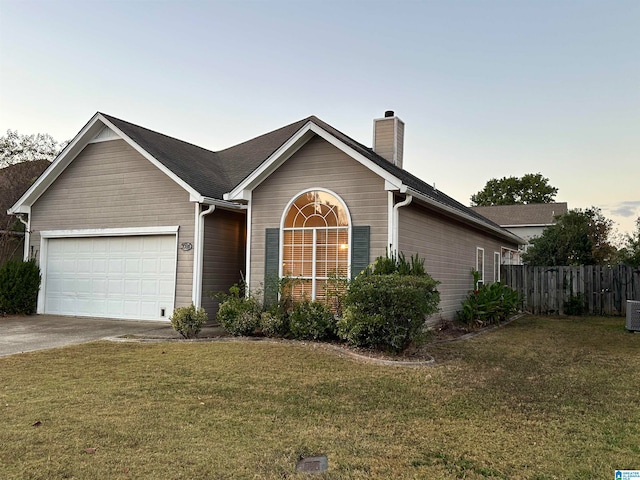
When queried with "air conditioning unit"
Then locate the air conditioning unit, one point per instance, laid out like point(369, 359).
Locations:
point(633, 316)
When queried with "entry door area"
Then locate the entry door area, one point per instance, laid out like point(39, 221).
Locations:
point(128, 277)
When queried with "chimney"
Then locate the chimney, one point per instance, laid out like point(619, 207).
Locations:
point(388, 137)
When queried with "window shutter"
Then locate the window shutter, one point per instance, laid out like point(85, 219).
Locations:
point(271, 262)
point(359, 249)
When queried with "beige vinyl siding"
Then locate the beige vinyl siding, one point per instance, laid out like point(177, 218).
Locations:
point(223, 256)
point(449, 250)
point(318, 164)
point(400, 144)
point(385, 137)
point(110, 185)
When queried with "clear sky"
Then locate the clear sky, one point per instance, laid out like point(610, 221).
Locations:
point(486, 88)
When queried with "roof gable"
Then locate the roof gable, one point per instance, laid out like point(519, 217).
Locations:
point(93, 131)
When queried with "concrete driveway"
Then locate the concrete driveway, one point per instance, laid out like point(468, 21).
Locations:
point(39, 332)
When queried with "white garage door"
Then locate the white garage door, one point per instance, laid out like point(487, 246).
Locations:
point(129, 277)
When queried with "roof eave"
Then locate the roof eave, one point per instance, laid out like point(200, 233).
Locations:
point(58, 165)
point(465, 217)
point(310, 129)
point(73, 149)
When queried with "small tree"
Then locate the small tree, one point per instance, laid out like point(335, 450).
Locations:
point(579, 237)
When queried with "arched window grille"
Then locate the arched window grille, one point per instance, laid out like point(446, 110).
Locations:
point(315, 246)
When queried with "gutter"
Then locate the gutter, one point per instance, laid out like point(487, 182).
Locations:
point(221, 203)
point(497, 230)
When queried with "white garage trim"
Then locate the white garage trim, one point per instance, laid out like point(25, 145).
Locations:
point(107, 233)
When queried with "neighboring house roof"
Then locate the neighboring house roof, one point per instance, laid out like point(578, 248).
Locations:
point(14, 181)
point(533, 214)
point(206, 174)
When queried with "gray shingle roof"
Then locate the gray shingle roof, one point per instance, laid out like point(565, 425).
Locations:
point(531, 214)
point(213, 174)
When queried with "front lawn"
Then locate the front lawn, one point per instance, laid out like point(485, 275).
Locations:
point(541, 398)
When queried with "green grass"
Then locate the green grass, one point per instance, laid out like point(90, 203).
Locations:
point(540, 398)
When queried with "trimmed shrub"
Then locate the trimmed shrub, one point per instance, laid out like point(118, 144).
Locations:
point(388, 311)
point(311, 321)
point(238, 314)
point(19, 286)
point(188, 321)
point(274, 324)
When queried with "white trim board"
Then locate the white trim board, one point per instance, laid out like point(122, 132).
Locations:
point(110, 232)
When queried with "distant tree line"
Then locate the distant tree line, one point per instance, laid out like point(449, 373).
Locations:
point(579, 237)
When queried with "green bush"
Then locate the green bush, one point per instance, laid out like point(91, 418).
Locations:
point(274, 323)
point(489, 304)
point(19, 286)
point(576, 305)
point(188, 321)
point(311, 321)
point(237, 313)
point(396, 264)
point(388, 311)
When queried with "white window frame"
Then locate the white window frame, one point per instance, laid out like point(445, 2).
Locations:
point(314, 279)
point(480, 256)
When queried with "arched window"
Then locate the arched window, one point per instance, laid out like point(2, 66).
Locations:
point(315, 243)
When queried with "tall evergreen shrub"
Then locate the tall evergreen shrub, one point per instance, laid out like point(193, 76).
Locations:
point(19, 286)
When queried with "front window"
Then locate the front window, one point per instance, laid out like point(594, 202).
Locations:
point(315, 246)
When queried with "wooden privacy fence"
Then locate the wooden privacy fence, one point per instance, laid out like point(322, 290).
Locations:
point(545, 290)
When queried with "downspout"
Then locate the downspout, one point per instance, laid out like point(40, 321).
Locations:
point(198, 255)
point(27, 235)
point(247, 258)
point(397, 206)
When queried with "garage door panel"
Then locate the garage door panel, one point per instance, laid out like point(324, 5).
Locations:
point(166, 265)
point(84, 286)
point(116, 287)
point(84, 266)
point(148, 287)
point(132, 266)
point(119, 277)
point(147, 308)
point(150, 266)
point(165, 287)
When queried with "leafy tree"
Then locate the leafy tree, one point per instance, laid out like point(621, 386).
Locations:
point(18, 148)
point(14, 181)
point(531, 188)
point(630, 252)
point(579, 237)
